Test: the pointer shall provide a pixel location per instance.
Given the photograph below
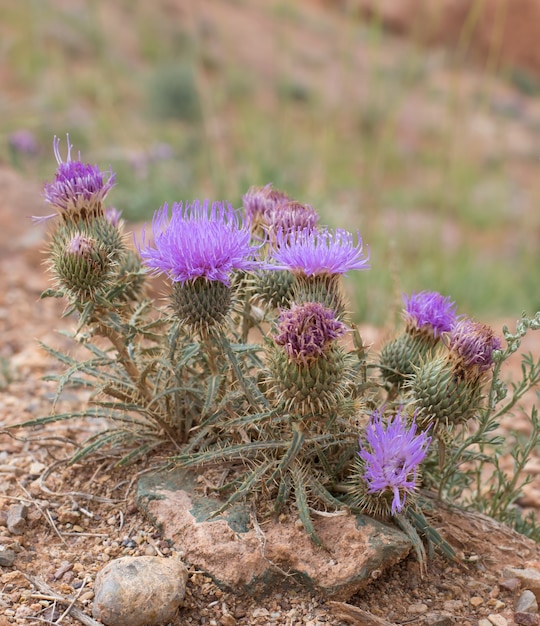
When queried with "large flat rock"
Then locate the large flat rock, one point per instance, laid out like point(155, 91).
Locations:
point(255, 556)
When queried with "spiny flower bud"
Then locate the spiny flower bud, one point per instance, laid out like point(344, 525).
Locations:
point(203, 305)
point(386, 475)
point(427, 316)
point(79, 189)
point(131, 278)
point(309, 373)
point(81, 265)
point(273, 288)
point(448, 389)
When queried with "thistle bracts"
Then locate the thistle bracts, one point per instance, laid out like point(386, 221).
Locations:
point(428, 315)
point(82, 265)
point(441, 395)
point(399, 356)
point(273, 289)
point(202, 305)
point(447, 390)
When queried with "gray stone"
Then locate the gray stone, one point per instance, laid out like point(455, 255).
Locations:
point(256, 556)
point(138, 590)
point(16, 518)
point(7, 557)
point(438, 619)
point(527, 602)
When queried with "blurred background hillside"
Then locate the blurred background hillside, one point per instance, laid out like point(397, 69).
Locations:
point(416, 122)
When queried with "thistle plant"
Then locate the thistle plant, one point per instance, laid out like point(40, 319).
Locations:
point(303, 417)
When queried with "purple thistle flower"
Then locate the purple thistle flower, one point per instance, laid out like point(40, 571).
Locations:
point(473, 343)
point(305, 330)
point(77, 185)
point(313, 252)
point(430, 309)
point(199, 241)
point(392, 456)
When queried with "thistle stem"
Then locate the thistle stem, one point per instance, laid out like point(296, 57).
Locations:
point(119, 345)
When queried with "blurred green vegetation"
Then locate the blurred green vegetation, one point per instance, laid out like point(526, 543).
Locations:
point(432, 159)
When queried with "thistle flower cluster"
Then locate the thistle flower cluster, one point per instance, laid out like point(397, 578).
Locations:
point(302, 405)
point(428, 315)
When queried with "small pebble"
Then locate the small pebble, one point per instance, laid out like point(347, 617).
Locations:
point(16, 518)
point(527, 602)
point(529, 577)
point(436, 619)
point(476, 601)
point(510, 584)
point(497, 620)
point(526, 619)
point(417, 609)
point(7, 557)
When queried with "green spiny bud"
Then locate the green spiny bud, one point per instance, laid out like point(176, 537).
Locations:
point(81, 264)
point(273, 288)
point(401, 356)
point(202, 304)
point(319, 387)
point(442, 395)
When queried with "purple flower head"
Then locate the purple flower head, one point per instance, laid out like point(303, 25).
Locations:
point(199, 240)
point(392, 456)
point(319, 252)
point(430, 309)
point(259, 201)
point(473, 343)
point(290, 216)
point(305, 330)
point(77, 185)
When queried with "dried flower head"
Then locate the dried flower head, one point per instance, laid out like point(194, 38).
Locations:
point(473, 344)
point(305, 331)
point(429, 310)
point(79, 188)
point(391, 457)
point(199, 240)
point(319, 252)
point(258, 202)
point(291, 216)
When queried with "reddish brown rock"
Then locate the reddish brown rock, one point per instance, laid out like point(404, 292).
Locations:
point(257, 558)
